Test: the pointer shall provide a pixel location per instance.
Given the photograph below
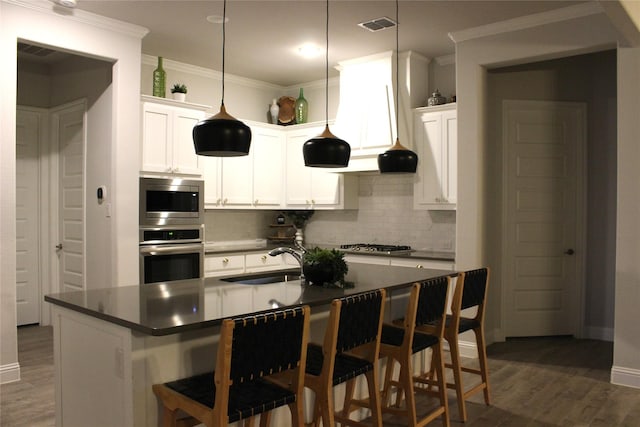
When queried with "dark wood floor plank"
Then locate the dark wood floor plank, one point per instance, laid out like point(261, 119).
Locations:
point(541, 382)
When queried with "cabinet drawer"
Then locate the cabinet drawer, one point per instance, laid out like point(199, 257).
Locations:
point(260, 261)
point(423, 263)
point(222, 265)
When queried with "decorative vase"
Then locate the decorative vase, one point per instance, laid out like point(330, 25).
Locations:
point(436, 99)
point(179, 96)
point(274, 110)
point(301, 108)
point(299, 236)
point(159, 80)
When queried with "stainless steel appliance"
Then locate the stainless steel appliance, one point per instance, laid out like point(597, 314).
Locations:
point(169, 253)
point(374, 247)
point(171, 201)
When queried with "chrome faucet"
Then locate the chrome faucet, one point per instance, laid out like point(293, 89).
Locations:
point(297, 254)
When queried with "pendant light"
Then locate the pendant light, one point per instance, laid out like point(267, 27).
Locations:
point(398, 158)
point(326, 150)
point(222, 135)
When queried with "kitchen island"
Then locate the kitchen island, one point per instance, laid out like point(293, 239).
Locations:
point(111, 345)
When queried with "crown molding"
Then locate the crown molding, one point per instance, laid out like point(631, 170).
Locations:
point(82, 16)
point(553, 16)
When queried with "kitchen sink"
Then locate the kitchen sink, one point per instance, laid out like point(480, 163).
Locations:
point(263, 279)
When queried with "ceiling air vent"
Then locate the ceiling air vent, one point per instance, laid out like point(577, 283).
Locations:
point(34, 50)
point(378, 24)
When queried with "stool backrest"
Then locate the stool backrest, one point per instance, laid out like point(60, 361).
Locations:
point(475, 288)
point(267, 343)
point(432, 301)
point(360, 319)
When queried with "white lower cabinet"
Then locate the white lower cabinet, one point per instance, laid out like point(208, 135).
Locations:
point(249, 262)
point(223, 265)
point(400, 262)
point(435, 139)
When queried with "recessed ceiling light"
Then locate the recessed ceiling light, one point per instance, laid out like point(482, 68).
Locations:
point(309, 50)
point(216, 19)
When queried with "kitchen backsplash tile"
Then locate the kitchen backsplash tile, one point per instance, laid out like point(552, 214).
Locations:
point(385, 215)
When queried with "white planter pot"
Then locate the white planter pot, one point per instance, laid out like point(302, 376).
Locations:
point(179, 96)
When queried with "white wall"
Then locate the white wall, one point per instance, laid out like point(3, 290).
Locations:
point(40, 22)
point(548, 39)
point(245, 99)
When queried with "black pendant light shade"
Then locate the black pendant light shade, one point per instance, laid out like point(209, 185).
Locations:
point(326, 151)
point(398, 159)
point(221, 135)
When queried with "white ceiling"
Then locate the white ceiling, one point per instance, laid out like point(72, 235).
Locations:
point(262, 36)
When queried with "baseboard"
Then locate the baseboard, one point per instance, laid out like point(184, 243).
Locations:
point(9, 373)
point(598, 333)
point(625, 376)
point(467, 349)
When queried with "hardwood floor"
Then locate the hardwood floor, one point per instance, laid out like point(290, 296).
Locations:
point(534, 382)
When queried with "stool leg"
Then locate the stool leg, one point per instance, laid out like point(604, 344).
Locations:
point(484, 368)
point(169, 417)
point(374, 397)
point(386, 390)
point(406, 379)
point(438, 361)
point(457, 376)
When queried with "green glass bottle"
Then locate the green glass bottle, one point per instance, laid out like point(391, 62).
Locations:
point(301, 108)
point(159, 80)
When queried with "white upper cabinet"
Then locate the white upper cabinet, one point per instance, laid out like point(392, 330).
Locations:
point(436, 142)
point(314, 188)
point(167, 142)
point(252, 181)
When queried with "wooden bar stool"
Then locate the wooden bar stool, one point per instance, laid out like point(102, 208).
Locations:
point(470, 292)
point(250, 349)
point(422, 328)
point(350, 349)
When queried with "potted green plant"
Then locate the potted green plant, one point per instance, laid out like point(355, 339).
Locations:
point(325, 267)
point(179, 91)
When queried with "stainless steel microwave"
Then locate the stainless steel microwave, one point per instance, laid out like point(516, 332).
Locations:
point(171, 201)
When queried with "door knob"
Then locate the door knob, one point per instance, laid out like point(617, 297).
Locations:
point(569, 252)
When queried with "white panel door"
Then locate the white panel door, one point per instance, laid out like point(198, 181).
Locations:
point(298, 188)
point(156, 138)
point(28, 135)
point(542, 197)
point(237, 180)
point(71, 143)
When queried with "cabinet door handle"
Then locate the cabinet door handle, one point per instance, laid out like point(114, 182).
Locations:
point(255, 202)
point(224, 201)
point(313, 202)
point(263, 257)
point(419, 266)
point(218, 201)
point(225, 260)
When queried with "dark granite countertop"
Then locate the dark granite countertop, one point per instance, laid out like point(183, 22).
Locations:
point(417, 254)
point(180, 306)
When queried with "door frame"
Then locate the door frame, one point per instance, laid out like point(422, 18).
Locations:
point(581, 212)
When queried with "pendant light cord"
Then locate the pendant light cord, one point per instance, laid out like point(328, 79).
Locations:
point(326, 70)
point(397, 69)
point(224, 21)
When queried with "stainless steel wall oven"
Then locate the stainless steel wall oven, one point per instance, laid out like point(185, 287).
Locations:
point(170, 253)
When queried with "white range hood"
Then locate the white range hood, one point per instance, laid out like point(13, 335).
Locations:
point(366, 116)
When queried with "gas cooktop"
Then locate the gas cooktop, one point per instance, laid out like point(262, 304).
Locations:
point(378, 248)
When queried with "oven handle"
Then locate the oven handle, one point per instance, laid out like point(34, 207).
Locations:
point(174, 249)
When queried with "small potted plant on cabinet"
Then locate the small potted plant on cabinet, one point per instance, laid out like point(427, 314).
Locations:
point(325, 267)
point(179, 91)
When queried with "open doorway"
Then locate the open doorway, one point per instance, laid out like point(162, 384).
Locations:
point(64, 104)
point(588, 79)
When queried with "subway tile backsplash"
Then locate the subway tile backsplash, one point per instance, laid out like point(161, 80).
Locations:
point(385, 215)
